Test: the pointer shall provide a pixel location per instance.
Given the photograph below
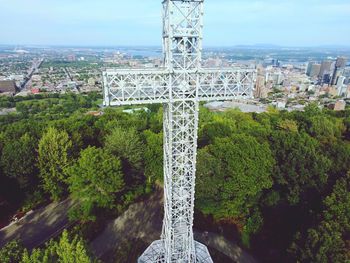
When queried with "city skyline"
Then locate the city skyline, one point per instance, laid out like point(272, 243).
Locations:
point(230, 23)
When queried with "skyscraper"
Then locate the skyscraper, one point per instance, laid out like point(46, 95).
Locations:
point(325, 68)
point(309, 67)
point(315, 70)
point(339, 65)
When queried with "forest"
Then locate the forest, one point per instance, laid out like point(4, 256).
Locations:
point(276, 182)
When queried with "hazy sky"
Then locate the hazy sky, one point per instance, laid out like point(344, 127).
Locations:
point(138, 22)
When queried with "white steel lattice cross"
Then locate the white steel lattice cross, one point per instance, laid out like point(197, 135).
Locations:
point(180, 85)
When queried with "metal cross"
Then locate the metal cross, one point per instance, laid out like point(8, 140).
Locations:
point(179, 85)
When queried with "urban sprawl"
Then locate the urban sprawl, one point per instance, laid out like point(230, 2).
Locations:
point(285, 83)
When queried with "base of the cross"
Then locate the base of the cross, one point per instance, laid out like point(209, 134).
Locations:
point(155, 253)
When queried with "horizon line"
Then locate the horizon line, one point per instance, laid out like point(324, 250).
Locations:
point(160, 46)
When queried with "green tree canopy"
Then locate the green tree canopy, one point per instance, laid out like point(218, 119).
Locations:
point(232, 173)
point(127, 145)
point(215, 129)
point(18, 160)
point(94, 180)
point(11, 252)
point(153, 155)
point(65, 250)
point(53, 159)
point(325, 127)
point(300, 164)
point(329, 240)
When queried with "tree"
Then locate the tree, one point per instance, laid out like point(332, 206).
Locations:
point(153, 154)
point(126, 145)
point(326, 128)
point(66, 250)
point(53, 159)
point(329, 240)
point(94, 180)
point(215, 129)
point(339, 154)
point(11, 252)
point(18, 160)
point(288, 125)
point(81, 131)
point(2, 141)
point(347, 127)
point(300, 164)
point(232, 173)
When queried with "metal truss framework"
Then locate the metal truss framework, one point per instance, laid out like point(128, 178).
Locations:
point(131, 86)
point(180, 85)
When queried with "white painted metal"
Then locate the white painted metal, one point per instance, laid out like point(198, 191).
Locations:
point(180, 85)
point(131, 86)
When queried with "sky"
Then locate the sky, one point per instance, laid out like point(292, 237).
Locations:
point(138, 22)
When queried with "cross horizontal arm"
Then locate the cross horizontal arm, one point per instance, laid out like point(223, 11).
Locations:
point(225, 84)
point(131, 86)
point(147, 86)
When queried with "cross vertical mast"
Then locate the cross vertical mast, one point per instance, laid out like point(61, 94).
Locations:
point(179, 85)
point(182, 38)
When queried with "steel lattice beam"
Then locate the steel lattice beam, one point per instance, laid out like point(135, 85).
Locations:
point(180, 85)
point(125, 87)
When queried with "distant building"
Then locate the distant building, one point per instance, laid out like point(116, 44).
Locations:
point(274, 77)
point(261, 91)
point(332, 91)
point(347, 93)
point(7, 87)
point(71, 85)
point(281, 105)
point(339, 65)
point(315, 70)
point(71, 58)
point(36, 78)
point(16, 77)
point(309, 67)
point(340, 81)
point(325, 68)
point(91, 81)
point(341, 62)
point(338, 106)
point(35, 90)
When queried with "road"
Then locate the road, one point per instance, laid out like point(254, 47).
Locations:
point(143, 221)
point(35, 66)
point(38, 227)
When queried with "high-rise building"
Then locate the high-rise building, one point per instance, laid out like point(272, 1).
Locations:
point(327, 78)
point(341, 62)
point(325, 68)
point(261, 91)
point(340, 81)
point(339, 65)
point(315, 70)
point(309, 67)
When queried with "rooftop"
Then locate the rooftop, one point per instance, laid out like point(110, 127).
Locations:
point(7, 86)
